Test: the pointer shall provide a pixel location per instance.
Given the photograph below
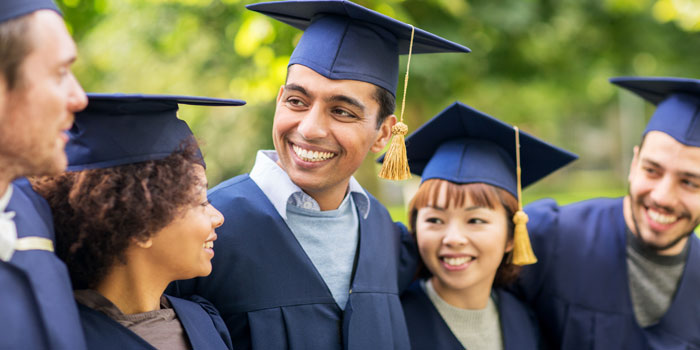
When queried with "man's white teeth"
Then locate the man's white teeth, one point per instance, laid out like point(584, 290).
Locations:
point(661, 218)
point(457, 261)
point(209, 245)
point(312, 156)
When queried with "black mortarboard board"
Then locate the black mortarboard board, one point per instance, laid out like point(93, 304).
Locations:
point(678, 105)
point(343, 40)
point(10, 9)
point(118, 129)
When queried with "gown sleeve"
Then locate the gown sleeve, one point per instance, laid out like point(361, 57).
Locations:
point(408, 258)
point(543, 230)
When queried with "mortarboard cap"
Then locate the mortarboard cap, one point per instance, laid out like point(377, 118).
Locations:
point(118, 129)
point(463, 145)
point(10, 9)
point(678, 105)
point(343, 40)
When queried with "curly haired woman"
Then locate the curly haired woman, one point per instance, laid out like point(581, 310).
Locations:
point(131, 215)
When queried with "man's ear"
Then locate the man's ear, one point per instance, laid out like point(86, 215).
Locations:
point(280, 93)
point(384, 134)
point(3, 96)
point(633, 163)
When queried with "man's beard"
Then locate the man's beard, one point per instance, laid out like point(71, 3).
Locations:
point(638, 234)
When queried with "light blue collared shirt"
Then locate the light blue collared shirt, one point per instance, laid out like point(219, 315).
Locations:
point(329, 238)
point(280, 190)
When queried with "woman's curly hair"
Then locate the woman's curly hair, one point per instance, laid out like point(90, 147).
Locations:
point(98, 213)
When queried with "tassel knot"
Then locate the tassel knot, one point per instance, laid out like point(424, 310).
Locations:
point(395, 166)
point(399, 129)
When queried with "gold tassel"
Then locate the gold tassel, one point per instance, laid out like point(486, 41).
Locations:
point(395, 165)
point(522, 250)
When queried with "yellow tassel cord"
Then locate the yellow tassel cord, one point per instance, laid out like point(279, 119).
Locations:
point(395, 165)
point(522, 250)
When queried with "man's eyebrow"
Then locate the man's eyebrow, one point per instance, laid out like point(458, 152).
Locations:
point(681, 173)
point(297, 88)
point(651, 162)
point(348, 100)
point(67, 61)
point(689, 174)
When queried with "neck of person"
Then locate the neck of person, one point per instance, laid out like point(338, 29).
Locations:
point(329, 198)
point(475, 297)
point(8, 173)
point(134, 287)
point(4, 186)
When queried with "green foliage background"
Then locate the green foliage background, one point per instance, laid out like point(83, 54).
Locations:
point(540, 64)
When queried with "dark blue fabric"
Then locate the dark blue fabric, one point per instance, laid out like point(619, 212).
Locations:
point(463, 145)
point(201, 322)
point(48, 278)
point(428, 330)
point(271, 296)
point(20, 318)
point(343, 40)
point(10, 9)
point(579, 287)
point(678, 101)
point(118, 129)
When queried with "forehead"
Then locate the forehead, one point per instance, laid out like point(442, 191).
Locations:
point(666, 151)
point(316, 84)
point(51, 39)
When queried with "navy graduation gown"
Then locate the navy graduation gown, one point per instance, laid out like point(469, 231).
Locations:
point(20, 321)
point(42, 276)
point(428, 330)
point(580, 288)
point(272, 297)
point(201, 322)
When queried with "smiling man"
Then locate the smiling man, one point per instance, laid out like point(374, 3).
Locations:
point(38, 96)
point(306, 258)
point(623, 273)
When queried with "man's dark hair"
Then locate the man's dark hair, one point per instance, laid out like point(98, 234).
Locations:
point(644, 136)
point(387, 104)
point(15, 46)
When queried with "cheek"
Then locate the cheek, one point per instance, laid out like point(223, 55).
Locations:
point(693, 206)
point(428, 242)
point(201, 227)
point(639, 187)
point(284, 121)
point(494, 242)
point(355, 140)
point(640, 183)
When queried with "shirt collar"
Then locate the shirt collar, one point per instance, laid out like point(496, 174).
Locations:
point(278, 187)
point(5, 198)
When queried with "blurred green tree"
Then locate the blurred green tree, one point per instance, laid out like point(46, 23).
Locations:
point(540, 64)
